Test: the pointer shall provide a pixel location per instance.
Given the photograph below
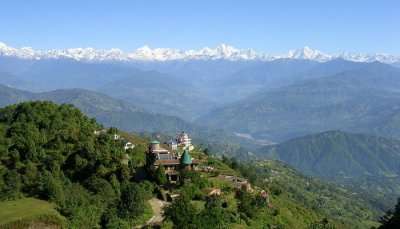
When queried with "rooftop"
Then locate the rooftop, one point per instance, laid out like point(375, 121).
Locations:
point(167, 162)
point(186, 159)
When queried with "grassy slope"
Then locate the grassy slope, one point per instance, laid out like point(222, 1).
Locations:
point(28, 210)
point(367, 164)
point(326, 199)
point(283, 211)
point(354, 154)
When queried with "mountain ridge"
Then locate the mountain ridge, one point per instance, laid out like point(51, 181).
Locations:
point(126, 116)
point(360, 100)
point(355, 154)
point(222, 51)
point(366, 164)
point(109, 111)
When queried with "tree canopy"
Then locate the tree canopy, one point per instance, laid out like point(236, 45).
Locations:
point(51, 152)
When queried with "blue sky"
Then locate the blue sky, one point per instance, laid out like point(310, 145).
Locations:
point(267, 26)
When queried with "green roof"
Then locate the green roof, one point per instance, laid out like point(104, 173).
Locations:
point(154, 142)
point(186, 159)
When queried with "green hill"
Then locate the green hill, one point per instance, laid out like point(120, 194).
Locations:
point(51, 152)
point(328, 199)
point(354, 154)
point(107, 110)
point(29, 213)
point(366, 164)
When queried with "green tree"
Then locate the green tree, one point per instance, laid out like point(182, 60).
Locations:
point(13, 185)
point(247, 204)
point(138, 155)
point(52, 188)
point(323, 224)
point(116, 185)
point(213, 215)
point(105, 193)
point(182, 213)
point(206, 151)
point(191, 191)
point(194, 178)
point(160, 176)
point(133, 199)
point(392, 218)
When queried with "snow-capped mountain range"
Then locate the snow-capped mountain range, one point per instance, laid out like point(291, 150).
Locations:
point(222, 51)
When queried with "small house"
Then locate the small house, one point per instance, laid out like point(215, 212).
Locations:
point(116, 137)
point(129, 145)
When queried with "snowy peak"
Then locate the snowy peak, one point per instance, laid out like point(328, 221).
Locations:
point(144, 53)
point(223, 51)
point(24, 52)
point(308, 54)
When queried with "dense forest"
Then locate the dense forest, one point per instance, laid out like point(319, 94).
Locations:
point(51, 152)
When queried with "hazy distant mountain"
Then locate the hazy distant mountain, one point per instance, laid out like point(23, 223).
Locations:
point(154, 91)
point(282, 72)
point(10, 95)
point(184, 88)
point(222, 82)
point(51, 74)
point(159, 93)
point(109, 111)
point(354, 155)
point(117, 113)
point(269, 74)
point(222, 51)
point(10, 80)
point(365, 99)
point(396, 65)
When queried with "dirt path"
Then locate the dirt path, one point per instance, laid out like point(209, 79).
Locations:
point(158, 209)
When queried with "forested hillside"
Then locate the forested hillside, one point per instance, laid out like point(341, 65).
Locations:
point(51, 152)
point(367, 164)
point(355, 155)
point(329, 199)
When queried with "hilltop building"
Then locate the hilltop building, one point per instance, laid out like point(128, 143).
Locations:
point(172, 144)
point(184, 141)
point(172, 162)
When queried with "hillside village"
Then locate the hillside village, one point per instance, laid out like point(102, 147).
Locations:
point(188, 171)
point(175, 158)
